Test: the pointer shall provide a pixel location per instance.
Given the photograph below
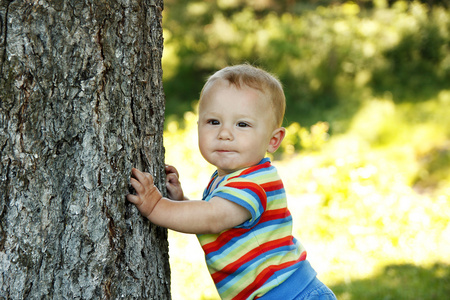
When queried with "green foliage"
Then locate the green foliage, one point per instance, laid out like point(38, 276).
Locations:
point(419, 61)
point(326, 58)
point(300, 138)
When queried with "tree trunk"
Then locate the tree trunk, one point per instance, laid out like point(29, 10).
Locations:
point(81, 104)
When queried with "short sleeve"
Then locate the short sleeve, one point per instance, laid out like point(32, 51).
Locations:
point(245, 193)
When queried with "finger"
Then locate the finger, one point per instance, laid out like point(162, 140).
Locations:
point(172, 178)
point(133, 199)
point(140, 176)
point(149, 177)
point(171, 169)
point(138, 187)
point(136, 173)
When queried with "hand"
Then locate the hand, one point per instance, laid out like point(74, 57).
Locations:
point(147, 195)
point(174, 190)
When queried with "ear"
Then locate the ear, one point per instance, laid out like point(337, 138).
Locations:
point(276, 139)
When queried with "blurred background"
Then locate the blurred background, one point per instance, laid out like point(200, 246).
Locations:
point(366, 161)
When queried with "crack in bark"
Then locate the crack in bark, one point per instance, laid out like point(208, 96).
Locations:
point(5, 26)
point(100, 39)
point(5, 208)
point(26, 85)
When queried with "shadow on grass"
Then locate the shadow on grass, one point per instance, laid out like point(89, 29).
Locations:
point(404, 281)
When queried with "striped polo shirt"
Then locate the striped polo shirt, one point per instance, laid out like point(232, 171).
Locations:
point(249, 260)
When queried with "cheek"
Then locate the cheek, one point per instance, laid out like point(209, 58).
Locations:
point(259, 143)
point(203, 141)
point(201, 147)
point(202, 137)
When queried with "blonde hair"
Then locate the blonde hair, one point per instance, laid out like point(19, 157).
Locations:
point(255, 78)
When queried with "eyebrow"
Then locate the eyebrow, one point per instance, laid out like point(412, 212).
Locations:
point(237, 115)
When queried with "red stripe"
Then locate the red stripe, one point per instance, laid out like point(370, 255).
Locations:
point(264, 276)
point(255, 188)
point(272, 185)
point(224, 238)
point(232, 267)
point(274, 214)
point(211, 181)
point(302, 256)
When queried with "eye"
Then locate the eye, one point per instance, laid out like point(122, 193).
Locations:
point(213, 122)
point(242, 124)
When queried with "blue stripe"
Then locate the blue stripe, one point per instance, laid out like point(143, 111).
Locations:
point(260, 173)
point(275, 193)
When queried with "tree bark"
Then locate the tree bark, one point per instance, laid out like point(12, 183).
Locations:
point(81, 104)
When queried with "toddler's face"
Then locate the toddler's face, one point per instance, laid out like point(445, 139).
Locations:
point(234, 127)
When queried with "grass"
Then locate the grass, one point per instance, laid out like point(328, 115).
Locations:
point(399, 281)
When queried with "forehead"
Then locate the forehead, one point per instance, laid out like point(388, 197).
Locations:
point(220, 89)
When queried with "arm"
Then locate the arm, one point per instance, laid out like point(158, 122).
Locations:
point(197, 217)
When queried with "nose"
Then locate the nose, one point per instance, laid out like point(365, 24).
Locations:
point(225, 134)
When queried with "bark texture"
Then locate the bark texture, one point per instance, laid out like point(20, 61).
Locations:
point(81, 103)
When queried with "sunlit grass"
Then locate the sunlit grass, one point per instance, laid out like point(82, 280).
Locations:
point(367, 204)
